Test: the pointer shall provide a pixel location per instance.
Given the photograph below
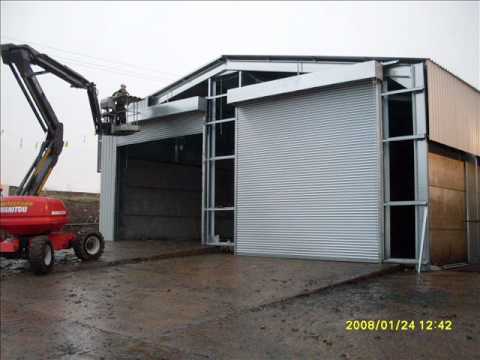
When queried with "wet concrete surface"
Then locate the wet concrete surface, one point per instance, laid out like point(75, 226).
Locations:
point(143, 310)
point(220, 306)
point(313, 327)
point(469, 268)
point(116, 253)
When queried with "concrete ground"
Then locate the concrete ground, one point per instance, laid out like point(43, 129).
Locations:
point(219, 306)
point(125, 311)
point(313, 327)
point(115, 253)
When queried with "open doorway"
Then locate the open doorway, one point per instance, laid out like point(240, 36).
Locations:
point(159, 190)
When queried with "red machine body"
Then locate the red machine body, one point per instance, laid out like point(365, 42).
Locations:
point(31, 228)
point(32, 215)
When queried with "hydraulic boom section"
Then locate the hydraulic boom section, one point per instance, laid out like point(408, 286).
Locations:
point(20, 59)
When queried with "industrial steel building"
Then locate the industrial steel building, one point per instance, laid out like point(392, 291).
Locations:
point(337, 158)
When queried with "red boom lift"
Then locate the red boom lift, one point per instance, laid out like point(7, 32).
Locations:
point(34, 224)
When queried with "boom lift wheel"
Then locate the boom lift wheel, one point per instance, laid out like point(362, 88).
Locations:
point(41, 254)
point(89, 247)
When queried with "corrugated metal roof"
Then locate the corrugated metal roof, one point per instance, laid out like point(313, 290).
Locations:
point(290, 58)
point(279, 58)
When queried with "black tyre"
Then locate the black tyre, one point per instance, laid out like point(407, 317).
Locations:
point(89, 246)
point(41, 255)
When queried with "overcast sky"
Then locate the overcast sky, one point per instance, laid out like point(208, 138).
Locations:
point(148, 45)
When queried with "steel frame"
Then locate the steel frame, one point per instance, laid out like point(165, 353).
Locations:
point(214, 122)
point(209, 160)
point(417, 91)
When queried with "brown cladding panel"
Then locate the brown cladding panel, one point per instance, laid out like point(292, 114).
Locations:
point(445, 172)
point(473, 209)
point(448, 247)
point(447, 209)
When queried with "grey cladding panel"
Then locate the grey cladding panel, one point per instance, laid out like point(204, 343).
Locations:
point(309, 181)
point(168, 127)
point(145, 112)
point(107, 186)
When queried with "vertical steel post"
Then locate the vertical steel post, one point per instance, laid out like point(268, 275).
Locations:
point(422, 240)
point(203, 227)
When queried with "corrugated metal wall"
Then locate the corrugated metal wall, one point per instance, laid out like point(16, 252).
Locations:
point(107, 186)
point(309, 175)
point(454, 111)
point(181, 125)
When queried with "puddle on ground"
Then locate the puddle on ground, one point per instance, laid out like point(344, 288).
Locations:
point(9, 267)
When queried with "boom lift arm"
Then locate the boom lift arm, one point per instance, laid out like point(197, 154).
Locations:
point(20, 59)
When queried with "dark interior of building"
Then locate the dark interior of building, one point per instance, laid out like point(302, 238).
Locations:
point(160, 190)
point(401, 176)
point(224, 181)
